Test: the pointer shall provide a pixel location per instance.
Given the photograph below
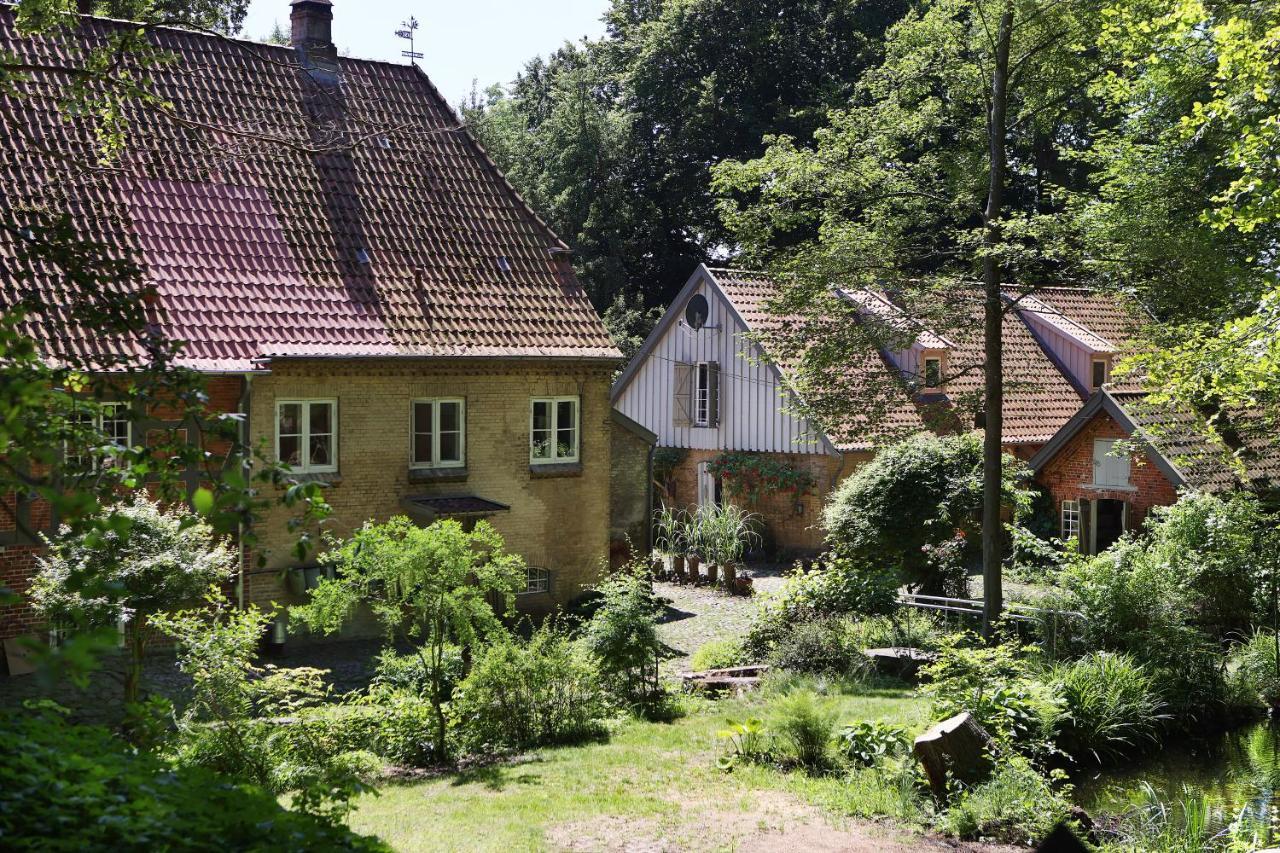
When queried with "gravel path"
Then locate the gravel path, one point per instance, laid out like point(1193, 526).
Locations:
point(696, 614)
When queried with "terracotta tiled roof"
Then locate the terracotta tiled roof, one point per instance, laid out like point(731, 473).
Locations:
point(1113, 317)
point(279, 214)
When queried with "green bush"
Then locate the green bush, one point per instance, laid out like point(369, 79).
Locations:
point(867, 742)
point(1256, 665)
point(1111, 707)
point(717, 654)
point(524, 694)
point(907, 628)
point(67, 787)
point(1030, 558)
point(622, 637)
point(902, 508)
point(1016, 805)
point(999, 686)
point(820, 647)
point(803, 725)
point(839, 586)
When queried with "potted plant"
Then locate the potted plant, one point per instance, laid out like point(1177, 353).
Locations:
point(668, 539)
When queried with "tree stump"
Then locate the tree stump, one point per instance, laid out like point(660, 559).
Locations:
point(959, 747)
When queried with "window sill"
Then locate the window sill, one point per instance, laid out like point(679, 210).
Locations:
point(329, 478)
point(555, 469)
point(1098, 488)
point(437, 475)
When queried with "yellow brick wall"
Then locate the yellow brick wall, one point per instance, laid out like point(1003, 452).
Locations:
point(560, 523)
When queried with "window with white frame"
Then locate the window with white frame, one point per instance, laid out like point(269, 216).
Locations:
point(1099, 377)
point(307, 435)
point(553, 430)
point(702, 395)
point(1070, 520)
point(111, 422)
point(933, 371)
point(1110, 466)
point(536, 580)
point(439, 433)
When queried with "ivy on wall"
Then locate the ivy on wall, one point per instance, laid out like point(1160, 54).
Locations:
point(751, 475)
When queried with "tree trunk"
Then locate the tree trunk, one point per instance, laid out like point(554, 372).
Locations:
point(993, 318)
point(958, 747)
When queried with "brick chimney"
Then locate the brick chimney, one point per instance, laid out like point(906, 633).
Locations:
point(311, 32)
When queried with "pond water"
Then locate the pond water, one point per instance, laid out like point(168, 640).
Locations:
point(1237, 770)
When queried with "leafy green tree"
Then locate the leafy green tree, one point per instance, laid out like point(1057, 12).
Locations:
point(430, 586)
point(623, 636)
point(935, 184)
point(151, 561)
point(903, 509)
point(613, 140)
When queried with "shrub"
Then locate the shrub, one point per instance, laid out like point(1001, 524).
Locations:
point(410, 673)
point(907, 628)
point(996, 684)
point(622, 636)
point(717, 654)
point(524, 694)
point(151, 561)
point(747, 741)
point(867, 742)
point(1030, 558)
point(803, 725)
point(218, 730)
point(839, 586)
point(1257, 669)
point(911, 498)
point(431, 586)
point(68, 787)
point(1016, 804)
point(1111, 707)
point(820, 647)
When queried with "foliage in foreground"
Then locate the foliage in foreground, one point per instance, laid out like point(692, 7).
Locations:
point(68, 787)
point(1111, 707)
point(521, 694)
point(622, 637)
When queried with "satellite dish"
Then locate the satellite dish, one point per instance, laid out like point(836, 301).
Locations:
point(696, 311)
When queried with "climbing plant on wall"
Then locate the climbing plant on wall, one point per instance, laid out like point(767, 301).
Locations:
point(752, 476)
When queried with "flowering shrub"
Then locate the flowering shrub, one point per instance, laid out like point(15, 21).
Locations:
point(751, 475)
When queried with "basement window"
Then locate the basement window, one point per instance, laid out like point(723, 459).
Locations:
point(536, 580)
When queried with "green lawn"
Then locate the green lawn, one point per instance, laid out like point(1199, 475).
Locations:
point(652, 786)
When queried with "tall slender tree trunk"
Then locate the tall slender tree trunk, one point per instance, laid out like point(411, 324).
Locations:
point(993, 320)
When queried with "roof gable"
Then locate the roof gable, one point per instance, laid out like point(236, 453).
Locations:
point(279, 215)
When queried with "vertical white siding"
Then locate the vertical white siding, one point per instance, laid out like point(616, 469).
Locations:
point(751, 401)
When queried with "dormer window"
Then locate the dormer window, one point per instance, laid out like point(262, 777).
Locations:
point(932, 370)
point(1099, 376)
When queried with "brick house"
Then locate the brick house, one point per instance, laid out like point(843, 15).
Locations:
point(353, 274)
point(1120, 455)
point(704, 384)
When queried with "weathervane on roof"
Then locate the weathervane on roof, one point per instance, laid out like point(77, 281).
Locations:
point(407, 33)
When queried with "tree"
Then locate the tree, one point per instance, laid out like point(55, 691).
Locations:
point(150, 561)
point(623, 635)
point(938, 185)
point(613, 140)
point(430, 586)
point(1188, 202)
point(914, 508)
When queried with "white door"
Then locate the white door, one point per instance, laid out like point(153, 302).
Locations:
point(706, 486)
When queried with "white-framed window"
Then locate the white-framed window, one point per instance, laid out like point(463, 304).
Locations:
point(1098, 376)
point(1109, 468)
point(1070, 520)
point(933, 371)
point(702, 394)
point(536, 580)
point(553, 430)
point(111, 421)
point(307, 435)
point(439, 427)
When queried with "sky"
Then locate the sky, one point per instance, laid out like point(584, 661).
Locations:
point(461, 40)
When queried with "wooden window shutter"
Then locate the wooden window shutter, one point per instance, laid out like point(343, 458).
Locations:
point(682, 396)
point(713, 394)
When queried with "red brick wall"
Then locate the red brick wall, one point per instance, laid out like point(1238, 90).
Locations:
point(18, 561)
point(1067, 476)
point(792, 532)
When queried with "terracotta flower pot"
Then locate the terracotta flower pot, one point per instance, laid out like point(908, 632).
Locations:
point(694, 574)
point(730, 575)
point(677, 566)
point(712, 571)
point(743, 585)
